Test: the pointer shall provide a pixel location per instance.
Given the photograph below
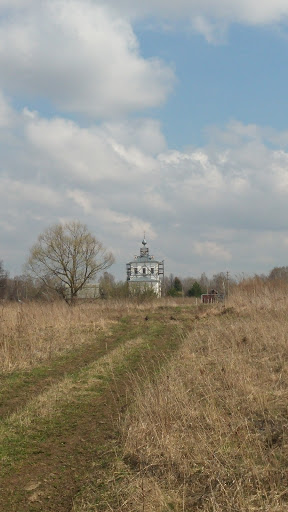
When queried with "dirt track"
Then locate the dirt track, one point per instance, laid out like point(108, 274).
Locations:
point(47, 464)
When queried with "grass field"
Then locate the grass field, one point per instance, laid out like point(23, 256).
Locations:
point(161, 406)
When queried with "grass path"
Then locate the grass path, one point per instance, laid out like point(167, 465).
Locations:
point(18, 387)
point(59, 428)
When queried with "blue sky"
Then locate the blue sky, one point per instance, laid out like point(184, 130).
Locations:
point(242, 77)
point(163, 117)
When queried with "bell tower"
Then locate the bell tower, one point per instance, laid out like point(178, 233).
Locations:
point(144, 272)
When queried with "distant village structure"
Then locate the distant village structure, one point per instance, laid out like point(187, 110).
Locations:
point(144, 272)
point(211, 297)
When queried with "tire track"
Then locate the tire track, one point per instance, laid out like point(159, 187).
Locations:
point(48, 455)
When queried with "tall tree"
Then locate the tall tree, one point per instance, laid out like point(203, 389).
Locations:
point(106, 285)
point(204, 282)
point(280, 273)
point(3, 280)
point(219, 282)
point(177, 284)
point(66, 257)
point(195, 290)
point(176, 288)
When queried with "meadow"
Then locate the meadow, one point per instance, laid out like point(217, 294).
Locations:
point(160, 406)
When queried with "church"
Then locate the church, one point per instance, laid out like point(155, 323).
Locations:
point(144, 272)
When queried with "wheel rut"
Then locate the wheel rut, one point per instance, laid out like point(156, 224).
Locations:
point(67, 450)
point(15, 391)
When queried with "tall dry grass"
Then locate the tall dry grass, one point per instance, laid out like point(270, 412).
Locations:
point(210, 433)
point(31, 333)
point(34, 332)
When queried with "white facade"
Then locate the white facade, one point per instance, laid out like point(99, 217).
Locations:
point(144, 272)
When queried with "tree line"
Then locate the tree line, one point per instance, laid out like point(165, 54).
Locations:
point(67, 257)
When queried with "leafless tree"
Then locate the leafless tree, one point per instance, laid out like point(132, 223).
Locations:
point(279, 273)
point(66, 257)
point(3, 280)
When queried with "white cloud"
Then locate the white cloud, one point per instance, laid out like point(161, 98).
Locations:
point(81, 57)
point(248, 11)
point(143, 134)
point(88, 154)
point(213, 31)
point(125, 226)
point(12, 4)
point(208, 17)
point(212, 250)
point(6, 112)
point(156, 201)
point(280, 171)
point(119, 176)
point(81, 199)
point(16, 190)
point(6, 226)
point(220, 199)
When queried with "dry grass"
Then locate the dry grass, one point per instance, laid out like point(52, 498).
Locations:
point(34, 332)
point(210, 433)
point(31, 333)
point(68, 390)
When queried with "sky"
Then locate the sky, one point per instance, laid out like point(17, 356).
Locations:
point(165, 117)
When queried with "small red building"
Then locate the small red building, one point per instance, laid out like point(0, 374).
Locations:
point(209, 298)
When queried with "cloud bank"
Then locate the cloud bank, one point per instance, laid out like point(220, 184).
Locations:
point(215, 202)
point(203, 208)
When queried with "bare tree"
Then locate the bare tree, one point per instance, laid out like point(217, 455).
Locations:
point(279, 273)
point(3, 280)
point(66, 257)
point(107, 285)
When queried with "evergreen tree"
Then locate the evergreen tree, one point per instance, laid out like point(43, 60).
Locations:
point(177, 284)
point(195, 290)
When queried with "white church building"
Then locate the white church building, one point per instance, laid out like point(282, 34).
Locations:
point(144, 272)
